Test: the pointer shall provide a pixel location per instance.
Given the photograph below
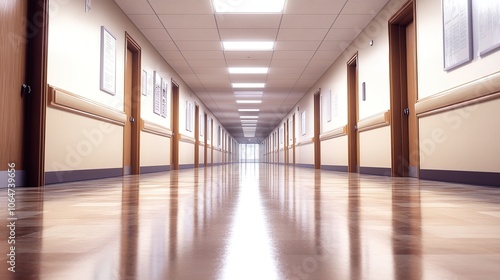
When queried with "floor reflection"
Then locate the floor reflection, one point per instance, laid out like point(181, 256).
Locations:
point(255, 221)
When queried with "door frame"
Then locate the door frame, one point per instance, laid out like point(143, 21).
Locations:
point(352, 114)
point(317, 129)
point(174, 151)
point(196, 135)
point(400, 150)
point(35, 113)
point(135, 144)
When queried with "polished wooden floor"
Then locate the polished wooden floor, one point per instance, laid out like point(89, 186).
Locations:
point(254, 221)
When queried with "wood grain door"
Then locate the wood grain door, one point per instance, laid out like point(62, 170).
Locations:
point(352, 114)
point(317, 130)
point(22, 113)
point(175, 128)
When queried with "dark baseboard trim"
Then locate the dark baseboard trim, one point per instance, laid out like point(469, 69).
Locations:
point(339, 168)
point(379, 171)
point(186, 166)
point(201, 165)
point(153, 169)
point(462, 177)
point(56, 177)
point(304, 165)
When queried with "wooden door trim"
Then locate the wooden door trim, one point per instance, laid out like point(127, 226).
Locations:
point(352, 118)
point(398, 87)
point(135, 48)
point(317, 129)
point(174, 155)
point(197, 135)
point(37, 60)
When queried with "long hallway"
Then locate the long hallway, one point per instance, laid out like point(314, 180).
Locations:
point(253, 221)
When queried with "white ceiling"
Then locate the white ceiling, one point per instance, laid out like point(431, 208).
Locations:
point(310, 35)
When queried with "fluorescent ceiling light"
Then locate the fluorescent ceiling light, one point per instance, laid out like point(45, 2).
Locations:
point(248, 110)
point(245, 125)
point(249, 6)
point(249, 117)
point(249, 85)
point(249, 121)
point(248, 101)
point(247, 93)
point(248, 70)
point(248, 45)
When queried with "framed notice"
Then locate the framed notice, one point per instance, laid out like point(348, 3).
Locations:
point(108, 62)
point(488, 24)
point(163, 99)
point(303, 123)
point(457, 33)
point(156, 93)
point(189, 116)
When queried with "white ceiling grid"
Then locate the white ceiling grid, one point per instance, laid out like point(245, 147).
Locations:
point(309, 36)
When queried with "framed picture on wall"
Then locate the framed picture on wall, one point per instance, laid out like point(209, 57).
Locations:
point(486, 18)
point(303, 123)
point(157, 81)
point(457, 33)
point(189, 116)
point(108, 62)
point(164, 99)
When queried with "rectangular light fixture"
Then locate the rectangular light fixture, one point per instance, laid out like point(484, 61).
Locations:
point(248, 45)
point(249, 85)
point(248, 110)
point(248, 101)
point(248, 93)
point(248, 70)
point(249, 117)
point(249, 6)
point(249, 121)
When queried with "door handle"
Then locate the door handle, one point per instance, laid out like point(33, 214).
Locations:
point(406, 111)
point(132, 119)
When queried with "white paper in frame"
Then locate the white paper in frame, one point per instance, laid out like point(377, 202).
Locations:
point(108, 62)
point(303, 123)
point(156, 93)
point(164, 100)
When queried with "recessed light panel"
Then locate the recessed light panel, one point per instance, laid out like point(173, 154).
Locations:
point(249, 85)
point(249, 117)
point(248, 70)
point(248, 45)
point(248, 110)
point(249, 6)
point(248, 101)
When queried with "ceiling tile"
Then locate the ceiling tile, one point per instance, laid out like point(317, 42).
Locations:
point(164, 45)
point(146, 21)
point(307, 21)
point(203, 55)
point(168, 55)
point(292, 34)
point(297, 45)
point(248, 55)
point(293, 54)
point(135, 7)
point(305, 7)
point(156, 34)
point(248, 34)
point(188, 21)
point(352, 21)
point(358, 7)
point(343, 34)
point(199, 45)
point(182, 7)
point(254, 21)
point(194, 34)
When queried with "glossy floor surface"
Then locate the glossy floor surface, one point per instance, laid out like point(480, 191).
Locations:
point(253, 221)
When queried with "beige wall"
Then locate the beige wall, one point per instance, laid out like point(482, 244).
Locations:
point(155, 150)
point(73, 65)
point(334, 151)
point(375, 148)
point(462, 139)
point(74, 142)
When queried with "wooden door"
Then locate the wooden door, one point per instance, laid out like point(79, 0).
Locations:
point(22, 112)
point(13, 67)
point(175, 127)
point(317, 130)
point(352, 114)
point(132, 99)
point(197, 136)
point(402, 61)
